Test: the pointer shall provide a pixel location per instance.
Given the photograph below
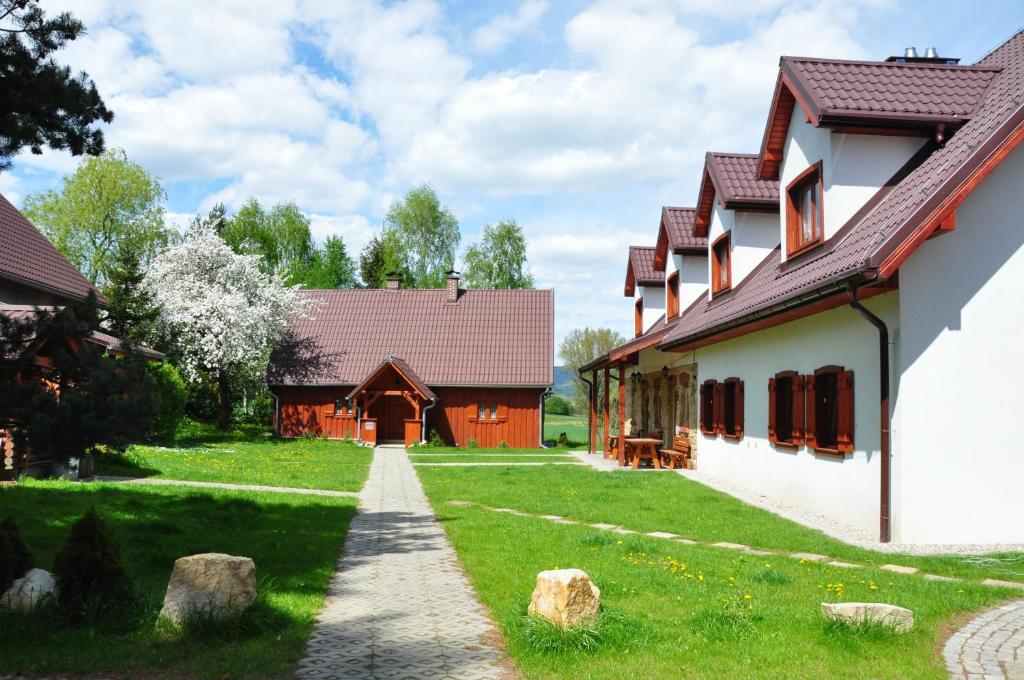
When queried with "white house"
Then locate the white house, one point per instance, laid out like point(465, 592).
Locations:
point(855, 352)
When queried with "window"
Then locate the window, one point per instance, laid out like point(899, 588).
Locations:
point(786, 409)
point(732, 408)
point(830, 409)
point(804, 215)
point(707, 408)
point(487, 410)
point(721, 265)
point(339, 407)
point(673, 296)
point(638, 318)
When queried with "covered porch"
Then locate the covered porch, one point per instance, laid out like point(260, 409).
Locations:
point(391, 402)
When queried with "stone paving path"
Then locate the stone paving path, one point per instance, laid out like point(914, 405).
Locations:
point(399, 605)
point(223, 485)
point(989, 647)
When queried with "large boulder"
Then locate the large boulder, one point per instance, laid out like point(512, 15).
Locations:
point(209, 585)
point(28, 591)
point(856, 613)
point(566, 597)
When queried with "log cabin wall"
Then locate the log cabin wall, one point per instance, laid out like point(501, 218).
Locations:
point(311, 410)
point(456, 416)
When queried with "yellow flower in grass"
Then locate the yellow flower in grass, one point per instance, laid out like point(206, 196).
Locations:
point(747, 596)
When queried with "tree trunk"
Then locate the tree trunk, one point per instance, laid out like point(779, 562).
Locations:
point(224, 383)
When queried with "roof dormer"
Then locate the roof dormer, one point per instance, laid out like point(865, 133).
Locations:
point(646, 285)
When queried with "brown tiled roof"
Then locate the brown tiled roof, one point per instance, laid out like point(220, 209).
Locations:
point(732, 179)
point(894, 215)
point(676, 233)
point(404, 369)
point(27, 257)
point(488, 337)
point(889, 90)
point(640, 269)
point(107, 341)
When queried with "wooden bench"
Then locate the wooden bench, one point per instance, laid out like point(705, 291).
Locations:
point(679, 455)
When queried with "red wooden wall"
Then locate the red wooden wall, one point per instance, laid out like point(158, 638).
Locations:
point(311, 409)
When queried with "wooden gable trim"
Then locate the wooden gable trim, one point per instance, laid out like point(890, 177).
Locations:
point(705, 204)
point(661, 247)
point(630, 287)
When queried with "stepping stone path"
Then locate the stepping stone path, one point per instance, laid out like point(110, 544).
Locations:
point(399, 605)
point(731, 546)
point(898, 569)
point(990, 646)
point(810, 557)
point(843, 565)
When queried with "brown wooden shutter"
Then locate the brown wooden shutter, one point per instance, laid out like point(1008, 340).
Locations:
point(809, 437)
point(844, 404)
point(719, 408)
point(738, 407)
point(705, 389)
point(799, 397)
point(772, 437)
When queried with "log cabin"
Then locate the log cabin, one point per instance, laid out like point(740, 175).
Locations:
point(395, 365)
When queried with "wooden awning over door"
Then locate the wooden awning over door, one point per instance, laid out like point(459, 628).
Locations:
point(393, 377)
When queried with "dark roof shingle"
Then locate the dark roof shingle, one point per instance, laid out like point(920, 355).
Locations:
point(488, 337)
point(679, 224)
point(641, 269)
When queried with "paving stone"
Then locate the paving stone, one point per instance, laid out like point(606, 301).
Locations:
point(460, 504)
point(399, 604)
point(604, 527)
point(760, 552)
point(731, 546)
point(810, 557)
point(899, 569)
point(623, 530)
point(843, 565)
point(661, 534)
point(1003, 584)
point(989, 646)
point(685, 541)
point(936, 577)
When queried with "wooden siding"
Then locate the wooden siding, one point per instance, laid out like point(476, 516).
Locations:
point(311, 410)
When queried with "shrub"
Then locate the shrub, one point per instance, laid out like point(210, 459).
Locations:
point(472, 443)
point(170, 395)
point(435, 438)
point(203, 401)
point(15, 558)
point(563, 439)
point(92, 584)
point(558, 406)
point(503, 444)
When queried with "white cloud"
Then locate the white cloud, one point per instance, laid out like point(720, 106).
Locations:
point(10, 187)
point(504, 28)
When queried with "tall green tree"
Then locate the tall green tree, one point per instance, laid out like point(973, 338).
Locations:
point(383, 256)
point(331, 267)
point(499, 260)
point(428, 233)
point(579, 348)
point(43, 104)
point(280, 237)
point(131, 314)
point(108, 204)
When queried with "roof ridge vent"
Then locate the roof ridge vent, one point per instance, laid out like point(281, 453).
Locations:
point(931, 56)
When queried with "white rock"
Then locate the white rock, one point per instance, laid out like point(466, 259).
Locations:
point(210, 584)
point(566, 597)
point(855, 613)
point(29, 590)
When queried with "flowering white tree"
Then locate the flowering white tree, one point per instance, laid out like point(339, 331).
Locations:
point(219, 310)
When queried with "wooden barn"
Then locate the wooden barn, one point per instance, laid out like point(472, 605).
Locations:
point(394, 364)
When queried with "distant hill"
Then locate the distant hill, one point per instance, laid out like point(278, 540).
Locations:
point(563, 381)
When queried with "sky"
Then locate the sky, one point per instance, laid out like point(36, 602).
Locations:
point(579, 120)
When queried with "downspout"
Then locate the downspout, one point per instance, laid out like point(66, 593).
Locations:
point(543, 397)
point(590, 412)
point(423, 415)
point(884, 517)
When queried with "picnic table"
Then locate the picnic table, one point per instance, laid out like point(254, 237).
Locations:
point(639, 448)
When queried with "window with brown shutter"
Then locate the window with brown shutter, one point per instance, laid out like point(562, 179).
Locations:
point(732, 408)
point(786, 408)
point(830, 410)
point(673, 296)
point(719, 408)
point(707, 407)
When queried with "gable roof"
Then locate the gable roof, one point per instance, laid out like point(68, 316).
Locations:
point(391, 362)
point(732, 178)
point(488, 337)
point(640, 269)
point(27, 257)
point(870, 93)
point(110, 344)
point(897, 219)
point(675, 234)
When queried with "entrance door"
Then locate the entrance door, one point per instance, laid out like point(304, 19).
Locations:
point(391, 416)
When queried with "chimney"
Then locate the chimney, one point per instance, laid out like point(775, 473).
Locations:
point(452, 287)
point(931, 56)
point(394, 282)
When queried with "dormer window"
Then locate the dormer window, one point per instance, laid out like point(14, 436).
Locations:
point(673, 296)
point(721, 264)
point(804, 216)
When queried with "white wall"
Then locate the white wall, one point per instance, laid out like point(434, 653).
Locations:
point(959, 459)
point(693, 278)
point(854, 167)
point(845, 489)
point(654, 303)
point(754, 235)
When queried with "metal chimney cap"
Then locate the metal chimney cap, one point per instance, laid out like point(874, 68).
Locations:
point(910, 52)
point(931, 53)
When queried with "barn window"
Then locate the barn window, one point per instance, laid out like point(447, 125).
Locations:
point(721, 264)
point(830, 409)
point(708, 421)
point(487, 410)
point(786, 408)
point(673, 296)
point(339, 407)
point(732, 408)
point(804, 214)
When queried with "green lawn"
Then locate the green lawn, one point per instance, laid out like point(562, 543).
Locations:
point(665, 620)
point(574, 427)
point(449, 454)
point(246, 455)
point(294, 540)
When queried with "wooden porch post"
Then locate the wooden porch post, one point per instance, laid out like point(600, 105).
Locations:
point(593, 412)
point(607, 407)
point(622, 412)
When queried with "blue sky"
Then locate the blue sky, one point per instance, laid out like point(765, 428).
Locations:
point(578, 119)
